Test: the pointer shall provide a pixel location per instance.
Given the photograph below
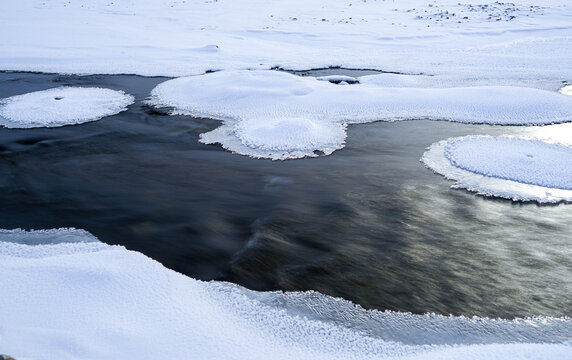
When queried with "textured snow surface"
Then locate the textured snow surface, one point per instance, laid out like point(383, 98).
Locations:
point(88, 300)
point(494, 41)
point(508, 167)
point(279, 115)
point(61, 106)
point(526, 161)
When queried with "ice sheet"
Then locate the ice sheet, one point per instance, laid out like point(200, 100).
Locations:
point(279, 115)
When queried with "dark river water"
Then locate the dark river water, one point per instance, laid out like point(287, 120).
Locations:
point(368, 223)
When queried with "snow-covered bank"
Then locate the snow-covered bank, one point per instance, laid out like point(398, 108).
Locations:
point(87, 300)
point(277, 115)
point(61, 106)
point(491, 41)
point(508, 167)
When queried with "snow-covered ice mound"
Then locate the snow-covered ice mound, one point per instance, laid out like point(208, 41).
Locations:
point(62, 106)
point(279, 138)
point(566, 90)
point(88, 300)
point(508, 167)
point(526, 161)
point(278, 115)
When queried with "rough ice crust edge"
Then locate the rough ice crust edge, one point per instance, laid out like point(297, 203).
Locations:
point(435, 159)
point(62, 106)
point(276, 115)
point(90, 300)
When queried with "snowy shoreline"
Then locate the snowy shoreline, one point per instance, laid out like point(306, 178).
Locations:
point(493, 41)
point(80, 298)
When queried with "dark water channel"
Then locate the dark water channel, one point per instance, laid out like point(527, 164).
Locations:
point(369, 223)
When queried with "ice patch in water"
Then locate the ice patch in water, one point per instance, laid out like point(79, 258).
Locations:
point(291, 134)
point(45, 237)
point(279, 115)
point(338, 79)
point(73, 301)
point(507, 167)
point(55, 242)
point(278, 139)
point(526, 161)
point(61, 106)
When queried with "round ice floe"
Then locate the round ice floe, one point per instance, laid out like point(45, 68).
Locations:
point(91, 300)
point(526, 161)
point(61, 106)
point(291, 134)
point(508, 167)
point(278, 139)
point(253, 101)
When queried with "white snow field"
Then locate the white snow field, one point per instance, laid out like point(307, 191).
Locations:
point(61, 106)
point(66, 295)
point(508, 167)
point(514, 43)
point(278, 115)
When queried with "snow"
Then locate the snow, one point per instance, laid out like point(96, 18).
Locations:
point(278, 115)
point(88, 300)
point(508, 167)
point(566, 90)
point(61, 106)
point(488, 40)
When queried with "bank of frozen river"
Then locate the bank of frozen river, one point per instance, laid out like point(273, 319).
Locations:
point(70, 296)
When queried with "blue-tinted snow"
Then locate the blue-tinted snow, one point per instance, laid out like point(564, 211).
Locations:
point(90, 300)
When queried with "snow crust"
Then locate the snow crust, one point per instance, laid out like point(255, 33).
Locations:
point(62, 106)
point(486, 40)
point(508, 167)
point(278, 115)
point(89, 300)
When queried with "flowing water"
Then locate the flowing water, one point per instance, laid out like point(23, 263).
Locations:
point(368, 223)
